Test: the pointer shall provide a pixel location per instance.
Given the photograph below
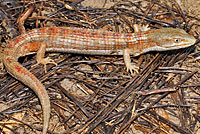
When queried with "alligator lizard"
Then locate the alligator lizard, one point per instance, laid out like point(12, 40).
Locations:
point(84, 41)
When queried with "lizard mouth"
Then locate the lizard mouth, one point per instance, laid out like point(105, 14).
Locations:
point(171, 46)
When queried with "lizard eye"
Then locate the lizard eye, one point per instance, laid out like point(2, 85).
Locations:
point(176, 40)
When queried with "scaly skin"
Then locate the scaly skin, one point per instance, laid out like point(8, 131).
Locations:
point(84, 41)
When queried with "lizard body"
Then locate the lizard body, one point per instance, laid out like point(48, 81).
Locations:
point(84, 41)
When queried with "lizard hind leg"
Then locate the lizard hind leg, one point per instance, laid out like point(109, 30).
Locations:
point(26, 77)
point(40, 57)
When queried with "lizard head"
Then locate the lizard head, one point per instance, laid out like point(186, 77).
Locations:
point(169, 39)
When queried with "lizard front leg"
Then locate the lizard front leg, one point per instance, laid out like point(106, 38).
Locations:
point(127, 51)
point(127, 61)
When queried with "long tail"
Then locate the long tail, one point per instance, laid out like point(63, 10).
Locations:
point(26, 77)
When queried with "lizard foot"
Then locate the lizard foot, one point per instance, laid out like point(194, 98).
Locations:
point(45, 61)
point(132, 68)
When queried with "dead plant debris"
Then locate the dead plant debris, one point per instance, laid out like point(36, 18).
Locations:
point(95, 94)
